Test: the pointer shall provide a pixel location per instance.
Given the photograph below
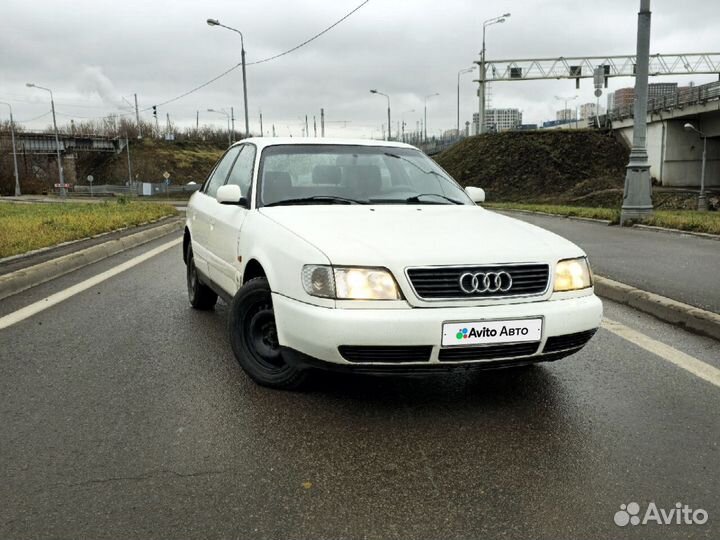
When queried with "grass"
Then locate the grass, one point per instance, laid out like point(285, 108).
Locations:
point(25, 227)
point(684, 220)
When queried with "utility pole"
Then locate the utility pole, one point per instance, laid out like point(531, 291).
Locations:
point(167, 125)
point(63, 192)
point(637, 196)
point(314, 126)
point(197, 120)
point(322, 122)
point(307, 131)
point(130, 176)
point(262, 133)
point(273, 130)
point(137, 118)
point(12, 136)
point(232, 121)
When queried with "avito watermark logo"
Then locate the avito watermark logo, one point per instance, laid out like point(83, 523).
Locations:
point(680, 514)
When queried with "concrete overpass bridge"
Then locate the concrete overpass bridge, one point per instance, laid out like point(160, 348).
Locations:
point(37, 151)
point(676, 154)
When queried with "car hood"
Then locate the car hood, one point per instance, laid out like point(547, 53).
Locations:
point(419, 235)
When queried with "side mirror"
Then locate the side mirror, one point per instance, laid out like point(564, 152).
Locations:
point(230, 194)
point(475, 193)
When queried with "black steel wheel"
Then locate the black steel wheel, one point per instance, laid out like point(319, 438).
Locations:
point(254, 338)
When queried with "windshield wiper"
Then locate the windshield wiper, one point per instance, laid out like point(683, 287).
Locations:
point(418, 167)
point(330, 199)
point(416, 198)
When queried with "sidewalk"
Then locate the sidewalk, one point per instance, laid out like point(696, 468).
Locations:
point(682, 267)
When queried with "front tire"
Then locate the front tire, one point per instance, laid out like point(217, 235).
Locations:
point(253, 336)
point(200, 296)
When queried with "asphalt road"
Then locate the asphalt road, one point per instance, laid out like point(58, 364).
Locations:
point(125, 415)
point(678, 266)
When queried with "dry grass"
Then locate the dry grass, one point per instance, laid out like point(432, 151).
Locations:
point(25, 227)
point(684, 220)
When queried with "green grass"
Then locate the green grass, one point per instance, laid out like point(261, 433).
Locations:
point(684, 220)
point(25, 227)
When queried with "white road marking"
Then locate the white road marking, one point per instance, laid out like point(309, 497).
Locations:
point(666, 352)
point(28, 311)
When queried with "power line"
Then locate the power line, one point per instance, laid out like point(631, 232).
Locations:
point(32, 119)
point(233, 68)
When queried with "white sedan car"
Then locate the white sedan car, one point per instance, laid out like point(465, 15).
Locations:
point(367, 256)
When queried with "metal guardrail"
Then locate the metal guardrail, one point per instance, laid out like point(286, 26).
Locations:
point(693, 95)
point(156, 188)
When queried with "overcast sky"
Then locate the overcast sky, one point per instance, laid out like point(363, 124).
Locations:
point(94, 53)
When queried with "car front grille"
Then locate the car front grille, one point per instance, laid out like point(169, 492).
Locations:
point(568, 341)
point(394, 354)
point(434, 283)
point(488, 352)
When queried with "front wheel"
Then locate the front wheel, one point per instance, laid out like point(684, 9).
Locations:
point(253, 336)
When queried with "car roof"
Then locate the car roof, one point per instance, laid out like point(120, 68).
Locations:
point(272, 141)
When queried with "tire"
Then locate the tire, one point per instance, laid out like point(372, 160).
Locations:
point(253, 336)
point(201, 296)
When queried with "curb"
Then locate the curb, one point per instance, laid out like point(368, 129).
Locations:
point(655, 228)
point(689, 317)
point(25, 278)
point(534, 212)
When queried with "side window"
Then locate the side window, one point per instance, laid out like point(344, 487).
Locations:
point(242, 171)
point(221, 171)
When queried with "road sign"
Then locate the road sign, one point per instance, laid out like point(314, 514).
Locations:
point(598, 92)
point(90, 178)
point(166, 175)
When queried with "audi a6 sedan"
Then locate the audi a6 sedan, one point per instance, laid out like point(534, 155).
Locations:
point(367, 256)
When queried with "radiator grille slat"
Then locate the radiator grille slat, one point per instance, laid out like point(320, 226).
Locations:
point(396, 354)
point(568, 341)
point(488, 352)
point(444, 282)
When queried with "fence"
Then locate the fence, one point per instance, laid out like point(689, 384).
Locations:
point(141, 188)
point(683, 97)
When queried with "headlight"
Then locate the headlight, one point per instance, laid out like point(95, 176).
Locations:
point(348, 283)
point(572, 274)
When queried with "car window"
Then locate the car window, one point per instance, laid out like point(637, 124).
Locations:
point(242, 171)
point(221, 171)
point(376, 175)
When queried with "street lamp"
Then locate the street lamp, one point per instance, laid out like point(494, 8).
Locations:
point(425, 114)
point(702, 199)
point(12, 135)
point(221, 111)
point(215, 22)
point(402, 122)
point(63, 193)
point(388, 100)
point(481, 93)
point(467, 70)
point(565, 107)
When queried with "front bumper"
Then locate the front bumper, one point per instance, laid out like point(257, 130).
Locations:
point(311, 332)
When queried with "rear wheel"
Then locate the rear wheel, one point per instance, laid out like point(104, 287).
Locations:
point(254, 340)
point(201, 296)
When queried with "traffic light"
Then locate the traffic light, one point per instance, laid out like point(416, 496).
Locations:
point(155, 111)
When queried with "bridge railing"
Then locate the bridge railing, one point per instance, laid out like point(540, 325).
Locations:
point(683, 97)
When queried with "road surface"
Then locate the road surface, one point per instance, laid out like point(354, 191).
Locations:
point(681, 267)
point(125, 415)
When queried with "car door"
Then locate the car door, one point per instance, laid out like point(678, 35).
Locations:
point(228, 223)
point(202, 208)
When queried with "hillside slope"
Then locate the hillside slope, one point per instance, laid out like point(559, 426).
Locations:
point(541, 166)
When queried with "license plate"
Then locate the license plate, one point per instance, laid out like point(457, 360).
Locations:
point(486, 332)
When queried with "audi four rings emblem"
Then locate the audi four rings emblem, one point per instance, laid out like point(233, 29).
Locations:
point(485, 282)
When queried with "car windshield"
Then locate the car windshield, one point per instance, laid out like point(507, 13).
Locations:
point(346, 174)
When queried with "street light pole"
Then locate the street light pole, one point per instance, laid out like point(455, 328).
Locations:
point(388, 111)
point(215, 22)
point(221, 111)
point(425, 115)
point(12, 136)
point(63, 193)
point(481, 89)
point(468, 70)
point(702, 199)
point(637, 195)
